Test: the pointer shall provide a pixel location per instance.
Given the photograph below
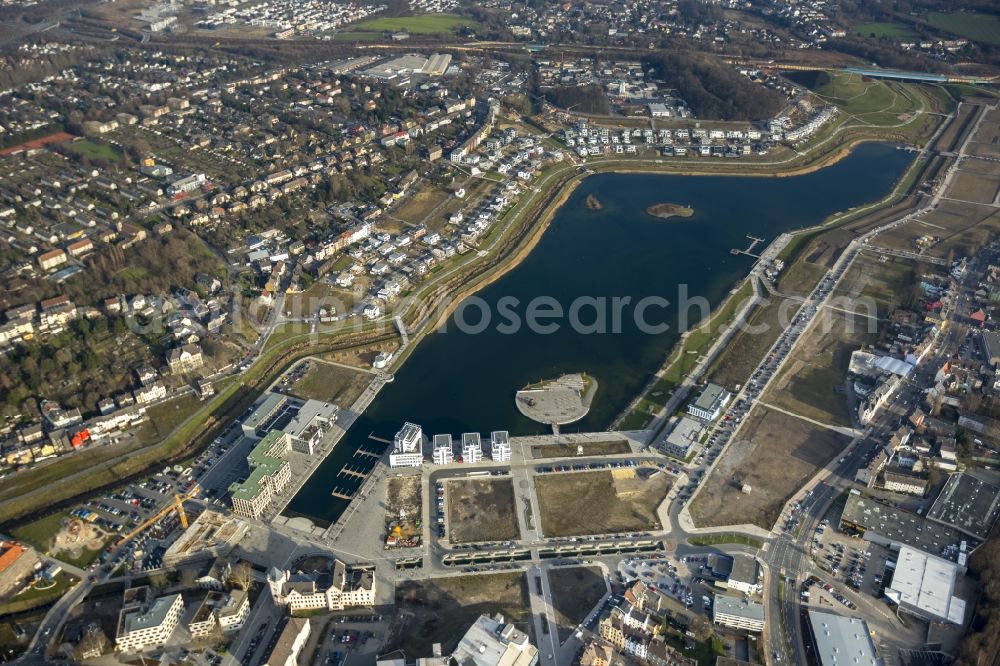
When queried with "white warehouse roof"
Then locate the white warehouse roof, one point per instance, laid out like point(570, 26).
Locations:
point(926, 584)
point(842, 641)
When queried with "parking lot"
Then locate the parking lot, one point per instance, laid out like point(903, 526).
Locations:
point(857, 563)
point(120, 511)
point(678, 579)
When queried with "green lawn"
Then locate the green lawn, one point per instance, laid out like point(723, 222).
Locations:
point(33, 598)
point(417, 25)
point(890, 30)
point(358, 36)
point(94, 150)
point(698, 341)
point(718, 539)
point(976, 26)
point(39, 533)
point(856, 96)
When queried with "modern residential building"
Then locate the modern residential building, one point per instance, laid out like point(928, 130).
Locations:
point(308, 426)
point(924, 586)
point(500, 446)
point(492, 641)
point(472, 447)
point(269, 474)
point(204, 621)
point(710, 403)
point(444, 450)
point(336, 588)
point(234, 612)
point(682, 437)
point(840, 640)
point(264, 413)
point(738, 613)
point(407, 447)
point(146, 621)
point(290, 642)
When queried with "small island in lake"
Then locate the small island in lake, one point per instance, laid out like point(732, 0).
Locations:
point(592, 203)
point(665, 210)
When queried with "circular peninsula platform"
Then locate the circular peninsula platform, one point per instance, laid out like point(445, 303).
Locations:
point(557, 401)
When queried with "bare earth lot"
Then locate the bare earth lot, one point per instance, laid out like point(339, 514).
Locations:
point(402, 505)
point(331, 383)
point(439, 610)
point(775, 456)
point(575, 592)
point(888, 283)
point(589, 449)
point(812, 381)
point(481, 510)
point(596, 503)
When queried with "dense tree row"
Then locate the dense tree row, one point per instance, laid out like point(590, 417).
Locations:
point(589, 98)
point(712, 89)
point(982, 643)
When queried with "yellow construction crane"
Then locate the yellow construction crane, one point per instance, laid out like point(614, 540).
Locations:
point(177, 505)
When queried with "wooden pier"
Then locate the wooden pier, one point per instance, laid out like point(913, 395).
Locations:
point(340, 495)
point(347, 471)
point(379, 439)
point(754, 242)
point(369, 454)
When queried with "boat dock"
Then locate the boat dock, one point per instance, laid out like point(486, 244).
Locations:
point(754, 242)
point(340, 495)
point(369, 454)
point(347, 471)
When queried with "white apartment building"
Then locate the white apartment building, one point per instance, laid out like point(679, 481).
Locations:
point(407, 447)
point(444, 450)
point(472, 447)
point(898, 482)
point(500, 446)
point(147, 623)
point(709, 405)
point(233, 615)
point(735, 613)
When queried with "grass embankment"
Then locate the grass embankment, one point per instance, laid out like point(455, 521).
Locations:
point(727, 538)
point(684, 357)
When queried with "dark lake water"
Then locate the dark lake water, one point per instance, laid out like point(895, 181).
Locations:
point(459, 380)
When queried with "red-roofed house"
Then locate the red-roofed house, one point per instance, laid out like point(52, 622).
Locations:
point(16, 563)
